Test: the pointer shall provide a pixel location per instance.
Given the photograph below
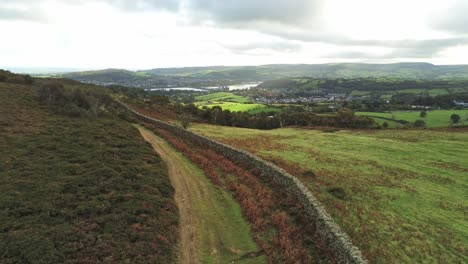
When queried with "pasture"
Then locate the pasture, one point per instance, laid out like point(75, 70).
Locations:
point(233, 103)
point(400, 194)
point(434, 118)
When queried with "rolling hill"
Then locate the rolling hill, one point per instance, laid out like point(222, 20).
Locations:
point(216, 75)
point(336, 70)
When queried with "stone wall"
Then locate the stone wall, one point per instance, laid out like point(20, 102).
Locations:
point(338, 242)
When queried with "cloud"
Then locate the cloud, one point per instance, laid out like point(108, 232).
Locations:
point(410, 49)
point(132, 5)
point(453, 19)
point(276, 46)
point(10, 10)
point(243, 12)
point(14, 14)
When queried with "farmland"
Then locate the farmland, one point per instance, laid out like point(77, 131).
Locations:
point(434, 118)
point(400, 194)
point(233, 103)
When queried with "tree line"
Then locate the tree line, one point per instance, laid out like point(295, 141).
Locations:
point(9, 77)
point(344, 118)
point(73, 101)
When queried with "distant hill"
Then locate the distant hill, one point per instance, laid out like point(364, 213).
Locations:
point(337, 70)
point(225, 75)
point(101, 75)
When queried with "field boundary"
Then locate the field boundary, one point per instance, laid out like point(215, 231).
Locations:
point(338, 241)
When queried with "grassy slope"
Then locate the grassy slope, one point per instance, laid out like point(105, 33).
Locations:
point(435, 118)
point(79, 190)
point(406, 190)
point(222, 234)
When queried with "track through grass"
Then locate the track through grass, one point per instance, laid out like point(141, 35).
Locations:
point(212, 227)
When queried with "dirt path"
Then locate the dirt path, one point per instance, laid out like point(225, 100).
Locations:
point(181, 179)
point(212, 227)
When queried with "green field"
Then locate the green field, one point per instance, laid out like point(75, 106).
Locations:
point(250, 108)
point(434, 118)
point(79, 190)
point(405, 190)
point(223, 97)
point(426, 92)
point(233, 103)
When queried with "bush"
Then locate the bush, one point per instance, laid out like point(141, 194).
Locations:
point(338, 193)
point(419, 123)
point(455, 118)
point(74, 101)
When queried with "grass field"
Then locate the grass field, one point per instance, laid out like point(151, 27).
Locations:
point(223, 97)
point(233, 103)
point(434, 118)
point(427, 92)
point(400, 194)
point(77, 190)
point(250, 108)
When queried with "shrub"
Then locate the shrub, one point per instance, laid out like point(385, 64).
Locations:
point(419, 123)
point(455, 118)
point(338, 192)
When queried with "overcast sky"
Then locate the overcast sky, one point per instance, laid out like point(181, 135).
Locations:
point(140, 34)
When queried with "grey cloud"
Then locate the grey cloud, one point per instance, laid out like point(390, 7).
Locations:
point(281, 46)
point(134, 5)
point(411, 49)
point(172, 5)
point(235, 13)
point(19, 14)
point(351, 55)
point(244, 12)
point(454, 19)
point(29, 10)
point(401, 48)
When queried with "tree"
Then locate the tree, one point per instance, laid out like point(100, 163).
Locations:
point(50, 91)
point(28, 79)
point(185, 120)
point(216, 113)
point(455, 118)
point(423, 114)
point(345, 117)
point(419, 123)
point(385, 125)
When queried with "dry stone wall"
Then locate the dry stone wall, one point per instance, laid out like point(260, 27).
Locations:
point(339, 243)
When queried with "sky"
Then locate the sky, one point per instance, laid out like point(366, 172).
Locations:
point(144, 34)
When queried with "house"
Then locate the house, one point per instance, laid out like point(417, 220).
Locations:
point(460, 103)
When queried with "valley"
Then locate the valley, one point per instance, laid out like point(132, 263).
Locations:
point(233, 132)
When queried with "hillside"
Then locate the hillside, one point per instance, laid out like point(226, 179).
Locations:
point(79, 189)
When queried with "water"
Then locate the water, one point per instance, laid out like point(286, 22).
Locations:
point(178, 89)
point(231, 87)
point(243, 86)
point(236, 86)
